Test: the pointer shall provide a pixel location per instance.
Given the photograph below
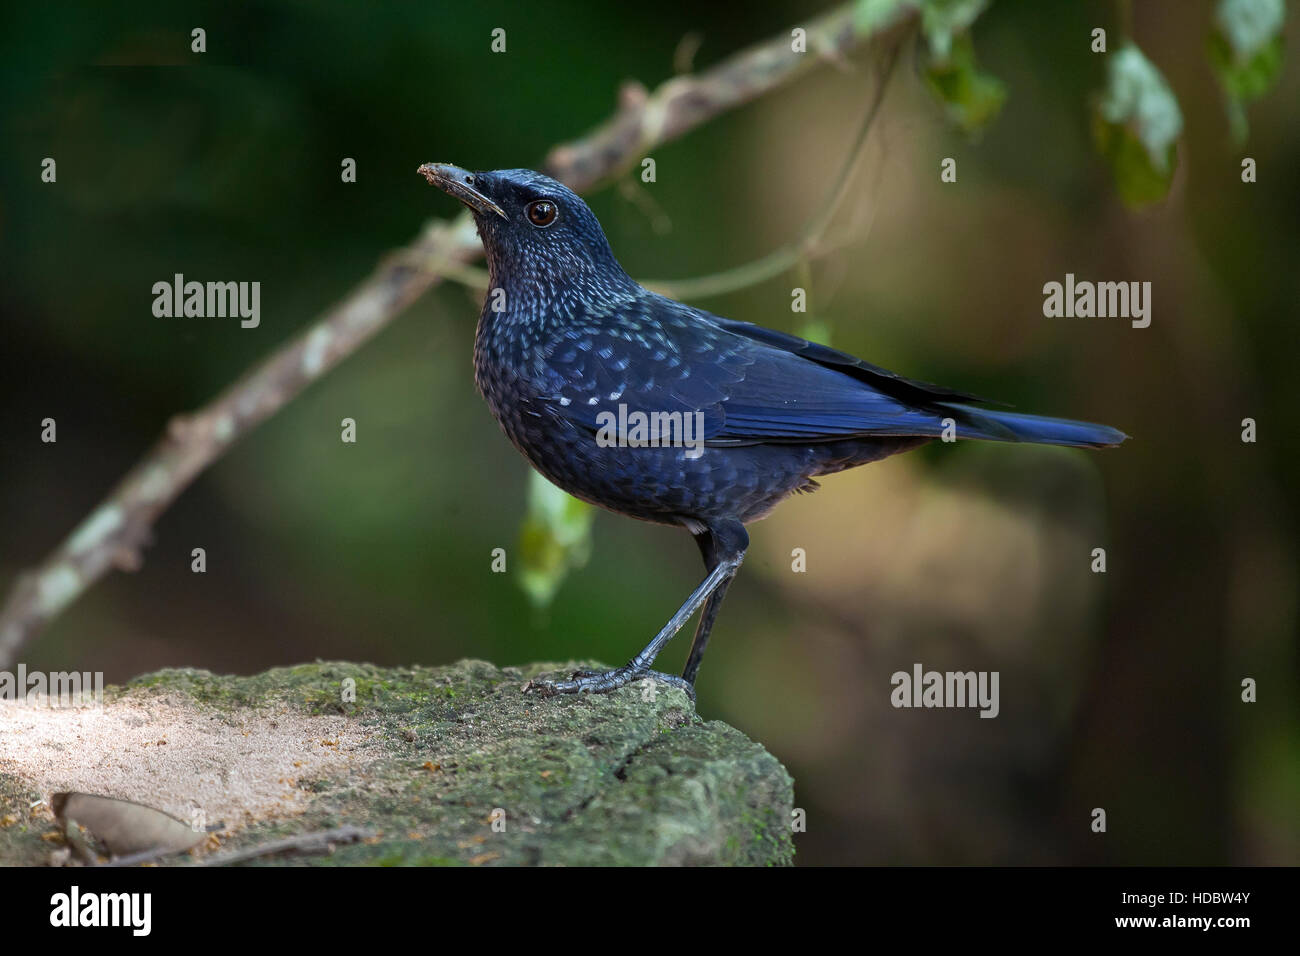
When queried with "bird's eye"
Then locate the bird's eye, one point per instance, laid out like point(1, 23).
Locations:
point(541, 212)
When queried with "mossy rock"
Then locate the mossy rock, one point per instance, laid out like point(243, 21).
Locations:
point(445, 766)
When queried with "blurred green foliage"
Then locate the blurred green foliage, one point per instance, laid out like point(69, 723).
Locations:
point(973, 98)
point(554, 539)
point(1246, 50)
point(1137, 125)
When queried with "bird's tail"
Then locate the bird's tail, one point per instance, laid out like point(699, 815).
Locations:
point(1038, 429)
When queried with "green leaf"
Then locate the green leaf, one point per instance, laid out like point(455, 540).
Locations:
point(1136, 125)
point(1246, 53)
point(555, 538)
point(972, 98)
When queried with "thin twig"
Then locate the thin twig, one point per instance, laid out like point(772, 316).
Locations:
point(319, 841)
point(809, 243)
point(116, 531)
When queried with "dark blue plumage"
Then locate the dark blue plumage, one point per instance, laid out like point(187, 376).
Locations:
point(567, 341)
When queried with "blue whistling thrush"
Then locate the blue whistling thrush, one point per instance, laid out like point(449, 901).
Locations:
point(660, 411)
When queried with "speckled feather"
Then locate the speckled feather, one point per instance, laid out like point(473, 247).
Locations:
point(578, 337)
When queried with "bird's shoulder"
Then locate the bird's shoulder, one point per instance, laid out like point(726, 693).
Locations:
point(644, 351)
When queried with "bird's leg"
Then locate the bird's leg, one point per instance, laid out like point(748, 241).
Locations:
point(711, 543)
point(639, 666)
point(702, 630)
point(729, 551)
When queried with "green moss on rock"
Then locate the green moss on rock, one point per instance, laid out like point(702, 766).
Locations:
point(629, 778)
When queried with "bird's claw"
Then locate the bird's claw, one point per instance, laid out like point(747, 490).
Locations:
point(602, 682)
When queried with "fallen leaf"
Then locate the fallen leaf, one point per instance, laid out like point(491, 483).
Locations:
point(125, 827)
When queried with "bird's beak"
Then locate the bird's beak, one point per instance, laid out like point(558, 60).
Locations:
point(459, 183)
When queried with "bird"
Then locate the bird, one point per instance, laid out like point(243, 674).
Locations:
point(653, 409)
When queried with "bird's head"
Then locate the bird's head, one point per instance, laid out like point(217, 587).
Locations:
point(532, 227)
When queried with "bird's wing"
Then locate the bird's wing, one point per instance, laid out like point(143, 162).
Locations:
point(654, 355)
point(873, 375)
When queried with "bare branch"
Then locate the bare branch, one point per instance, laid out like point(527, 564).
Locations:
point(645, 120)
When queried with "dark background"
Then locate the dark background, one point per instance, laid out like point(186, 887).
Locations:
point(1119, 690)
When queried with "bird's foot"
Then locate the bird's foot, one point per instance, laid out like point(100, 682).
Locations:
point(602, 682)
